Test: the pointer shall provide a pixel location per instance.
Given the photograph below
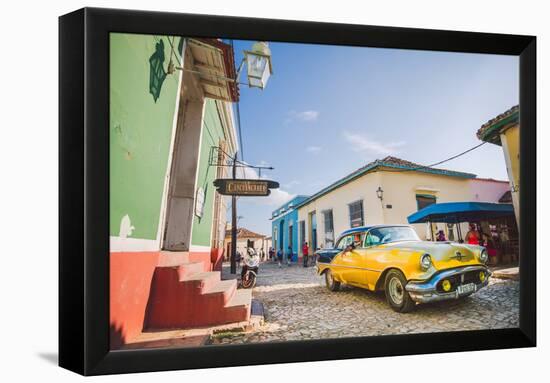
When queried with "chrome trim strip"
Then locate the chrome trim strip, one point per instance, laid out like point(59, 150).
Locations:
point(349, 267)
point(429, 286)
point(434, 296)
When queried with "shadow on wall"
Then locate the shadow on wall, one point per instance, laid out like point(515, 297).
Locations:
point(216, 258)
point(157, 75)
point(150, 303)
point(116, 337)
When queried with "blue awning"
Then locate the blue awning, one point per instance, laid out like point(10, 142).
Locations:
point(452, 212)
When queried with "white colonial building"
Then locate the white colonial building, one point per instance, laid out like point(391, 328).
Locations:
point(387, 191)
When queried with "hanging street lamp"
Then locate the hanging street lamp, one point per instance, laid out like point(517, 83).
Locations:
point(258, 65)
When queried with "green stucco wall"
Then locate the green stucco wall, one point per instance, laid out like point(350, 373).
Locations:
point(140, 131)
point(212, 133)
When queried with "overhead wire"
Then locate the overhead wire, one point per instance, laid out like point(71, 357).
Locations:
point(439, 162)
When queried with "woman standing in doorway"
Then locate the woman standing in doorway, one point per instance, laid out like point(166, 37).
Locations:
point(472, 237)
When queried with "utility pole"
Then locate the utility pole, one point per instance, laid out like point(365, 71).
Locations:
point(234, 222)
point(240, 187)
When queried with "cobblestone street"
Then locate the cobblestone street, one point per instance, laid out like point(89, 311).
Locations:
point(297, 306)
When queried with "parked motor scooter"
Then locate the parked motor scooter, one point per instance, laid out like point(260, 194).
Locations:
point(250, 268)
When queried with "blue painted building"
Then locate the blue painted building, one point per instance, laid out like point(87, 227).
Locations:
point(284, 226)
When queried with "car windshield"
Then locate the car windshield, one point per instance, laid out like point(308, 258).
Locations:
point(382, 235)
point(355, 239)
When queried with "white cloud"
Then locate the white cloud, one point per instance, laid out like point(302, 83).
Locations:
point(306, 115)
point(277, 196)
point(292, 183)
point(313, 149)
point(363, 144)
point(248, 173)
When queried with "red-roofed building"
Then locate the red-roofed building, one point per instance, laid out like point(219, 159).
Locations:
point(257, 241)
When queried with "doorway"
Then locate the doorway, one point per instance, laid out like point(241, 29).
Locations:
point(290, 237)
point(180, 200)
point(281, 234)
point(313, 230)
point(301, 235)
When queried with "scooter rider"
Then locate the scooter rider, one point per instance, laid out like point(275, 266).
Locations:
point(250, 268)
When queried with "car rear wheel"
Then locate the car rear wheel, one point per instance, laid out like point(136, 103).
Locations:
point(397, 297)
point(332, 285)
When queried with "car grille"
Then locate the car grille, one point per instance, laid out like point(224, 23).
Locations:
point(456, 280)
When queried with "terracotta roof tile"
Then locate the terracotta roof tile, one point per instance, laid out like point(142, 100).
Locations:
point(391, 161)
point(391, 164)
point(244, 233)
point(485, 132)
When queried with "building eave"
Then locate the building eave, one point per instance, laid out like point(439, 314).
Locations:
point(286, 204)
point(490, 131)
point(215, 63)
point(379, 166)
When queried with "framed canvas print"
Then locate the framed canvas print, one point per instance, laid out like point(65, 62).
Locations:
point(239, 191)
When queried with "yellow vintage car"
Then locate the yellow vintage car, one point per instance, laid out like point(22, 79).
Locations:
point(392, 258)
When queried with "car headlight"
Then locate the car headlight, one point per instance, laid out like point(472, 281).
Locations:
point(483, 256)
point(425, 262)
point(482, 276)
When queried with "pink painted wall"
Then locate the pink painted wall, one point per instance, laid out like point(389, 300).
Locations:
point(484, 190)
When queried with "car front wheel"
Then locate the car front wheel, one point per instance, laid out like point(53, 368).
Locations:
point(397, 297)
point(332, 285)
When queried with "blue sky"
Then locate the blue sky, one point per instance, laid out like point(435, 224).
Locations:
point(328, 110)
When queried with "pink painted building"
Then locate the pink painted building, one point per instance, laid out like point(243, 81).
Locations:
point(488, 189)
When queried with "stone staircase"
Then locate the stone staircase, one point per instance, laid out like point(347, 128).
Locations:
point(184, 295)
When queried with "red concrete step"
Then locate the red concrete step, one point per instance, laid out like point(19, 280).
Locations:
point(182, 299)
point(173, 258)
point(222, 291)
point(238, 308)
point(189, 269)
point(203, 280)
point(225, 305)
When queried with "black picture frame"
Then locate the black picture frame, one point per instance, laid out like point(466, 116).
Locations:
point(84, 190)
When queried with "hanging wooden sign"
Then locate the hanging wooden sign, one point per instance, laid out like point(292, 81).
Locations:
point(240, 187)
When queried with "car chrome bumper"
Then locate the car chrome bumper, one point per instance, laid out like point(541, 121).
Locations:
point(426, 291)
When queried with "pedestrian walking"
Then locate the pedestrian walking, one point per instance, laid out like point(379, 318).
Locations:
point(280, 257)
point(289, 256)
point(272, 254)
point(305, 252)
